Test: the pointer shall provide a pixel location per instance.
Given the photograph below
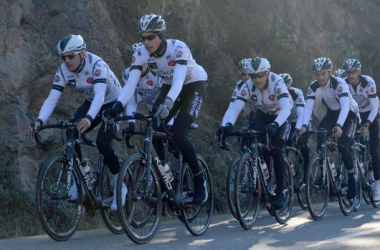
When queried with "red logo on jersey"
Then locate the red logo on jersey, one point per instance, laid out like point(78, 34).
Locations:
point(278, 91)
point(299, 99)
point(178, 54)
point(90, 80)
point(171, 63)
point(57, 78)
point(149, 83)
point(361, 90)
point(98, 72)
point(373, 90)
point(133, 59)
point(271, 97)
point(234, 93)
point(243, 93)
point(340, 89)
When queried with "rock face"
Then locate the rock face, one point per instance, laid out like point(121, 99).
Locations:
point(219, 32)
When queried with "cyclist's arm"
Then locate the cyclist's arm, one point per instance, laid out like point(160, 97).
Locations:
point(97, 102)
point(306, 116)
point(374, 102)
point(49, 104)
point(229, 109)
point(234, 112)
point(344, 109)
point(130, 86)
point(299, 110)
point(284, 113)
point(179, 75)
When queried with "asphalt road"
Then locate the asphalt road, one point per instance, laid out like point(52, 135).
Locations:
point(361, 230)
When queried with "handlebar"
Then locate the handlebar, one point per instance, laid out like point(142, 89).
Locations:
point(241, 132)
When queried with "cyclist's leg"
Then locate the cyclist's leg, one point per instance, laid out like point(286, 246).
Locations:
point(374, 151)
point(345, 141)
point(305, 151)
point(189, 104)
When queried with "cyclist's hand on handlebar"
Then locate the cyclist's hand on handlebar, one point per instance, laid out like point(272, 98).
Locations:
point(301, 131)
point(110, 113)
point(83, 125)
point(364, 130)
point(164, 109)
point(35, 125)
point(272, 128)
point(337, 131)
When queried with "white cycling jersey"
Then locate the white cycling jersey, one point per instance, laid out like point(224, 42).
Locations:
point(176, 67)
point(242, 93)
point(94, 79)
point(298, 105)
point(147, 90)
point(335, 95)
point(274, 100)
point(364, 93)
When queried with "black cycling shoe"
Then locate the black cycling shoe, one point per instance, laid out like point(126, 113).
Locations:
point(351, 192)
point(200, 190)
point(279, 201)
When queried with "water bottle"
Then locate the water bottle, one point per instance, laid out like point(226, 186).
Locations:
point(264, 169)
point(333, 169)
point(168, 172)
point(86, 171)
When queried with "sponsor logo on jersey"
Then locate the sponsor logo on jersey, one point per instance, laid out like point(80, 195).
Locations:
point(72, 83)
point(361, 90)
point(373, 90)
point(139, 53)
point(149, 83)
point(86, 73)
point(133, 59)
point(179, 54)
point(98, 72)
point(57, 78)
point(171, 63)
point(234, 93)
point(152, 65)
point(271, 97)
point(278, 91)
point(340, 89)
point(90, 80)
point(299, 99)
point(243, 92)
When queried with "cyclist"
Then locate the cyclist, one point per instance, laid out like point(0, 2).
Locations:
point(240, 96)
point(88, 74)
point(340, 73)
point(183, 89)
point(271, 104)
point(363, 90)
point(298, 107)
point(330, 99)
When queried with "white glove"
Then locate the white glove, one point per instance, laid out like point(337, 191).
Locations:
point(164, 109)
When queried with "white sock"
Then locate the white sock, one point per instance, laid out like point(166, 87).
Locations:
point(377, 184)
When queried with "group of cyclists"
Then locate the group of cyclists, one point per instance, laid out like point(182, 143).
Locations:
point(340, 101)
point(164, 74)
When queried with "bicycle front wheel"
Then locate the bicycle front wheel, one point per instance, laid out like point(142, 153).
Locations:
point(317, 188)
point(58, 215)
point(296, 162)
point(197, 218)
point(107, 187)
point(140, 216)
point(283, 215)
point(231, 184)
point(247, 192)
point(346, 205)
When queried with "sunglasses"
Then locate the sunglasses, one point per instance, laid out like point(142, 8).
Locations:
point(149, 38)
point(253, 76)
point(69, 56)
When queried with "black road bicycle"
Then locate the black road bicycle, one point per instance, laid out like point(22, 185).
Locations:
point(151, 193)
point(255, 182)
point(58, 214)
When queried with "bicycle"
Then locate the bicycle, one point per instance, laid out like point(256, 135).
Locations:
point(296, 162)
point(255, 182)
point(363, 161)
point(326, 168)
point(60, 216)
point(144, 175)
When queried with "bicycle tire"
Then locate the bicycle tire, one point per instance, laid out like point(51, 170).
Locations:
point(247, 192)
point(197, 219)
point(58, 216)
point(283, 215)
point(231, 184)
point(359, 197)
point(295, 159)
point(316, 195)
point(346, 205)
point(138, 208)
point(106, 188)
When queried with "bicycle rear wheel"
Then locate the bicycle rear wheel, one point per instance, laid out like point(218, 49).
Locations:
point(140, 216)
point(247, 192)
point(231, 184)
point(106, 186)
point(359, 191)
point(197, 218)
point(317, 188)
point(59, 216)
point(296, 164)
point(283, 215)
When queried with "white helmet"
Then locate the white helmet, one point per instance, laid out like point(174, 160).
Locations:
point(259, 65)
point(245, 65)
point(340, 73)
point(321, 64)
point(351, 64)
point(287, 78)
point(151, 23)
point(71, 43)
point(134, 47)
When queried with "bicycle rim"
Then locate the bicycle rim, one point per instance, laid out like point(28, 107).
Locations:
point(359, 191)
point(140, 216)
point(316, 193)
point(346, 205)
point(247, 192)
point(110, 218)
point(59, 217)
point(296, 161)
point(283, 215)
point(197, 218)
point(231, 185)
